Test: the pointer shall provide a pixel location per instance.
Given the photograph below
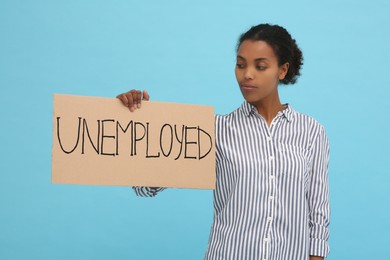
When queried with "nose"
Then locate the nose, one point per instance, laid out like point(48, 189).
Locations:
point(248, 74)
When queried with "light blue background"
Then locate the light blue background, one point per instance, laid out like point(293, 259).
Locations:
point(183, 51)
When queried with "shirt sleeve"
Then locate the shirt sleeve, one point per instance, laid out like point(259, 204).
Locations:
point(318, 196)
point(147, 191)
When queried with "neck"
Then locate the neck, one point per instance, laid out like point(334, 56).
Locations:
point(269, 107)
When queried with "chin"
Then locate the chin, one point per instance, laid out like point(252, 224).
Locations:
point(251, 99)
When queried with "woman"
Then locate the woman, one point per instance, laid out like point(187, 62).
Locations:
point(271, 200)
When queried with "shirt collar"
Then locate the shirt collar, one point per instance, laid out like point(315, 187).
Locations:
point(249, 109)
point(288, 112)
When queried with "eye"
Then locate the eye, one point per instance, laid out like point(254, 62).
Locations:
point(261, 67)
point(240, 65)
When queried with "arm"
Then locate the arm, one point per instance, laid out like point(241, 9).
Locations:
point(316, 258)
point(132, 99)
point(318, 197)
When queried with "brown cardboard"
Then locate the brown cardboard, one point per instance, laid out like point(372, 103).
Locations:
point(142, 148)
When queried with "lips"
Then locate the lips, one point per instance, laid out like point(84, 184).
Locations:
point(247, 86)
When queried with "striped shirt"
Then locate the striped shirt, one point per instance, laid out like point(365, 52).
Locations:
point(271, 201)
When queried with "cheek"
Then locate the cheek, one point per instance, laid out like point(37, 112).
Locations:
point(267, 81)
point(272, 76)
point(237, 73)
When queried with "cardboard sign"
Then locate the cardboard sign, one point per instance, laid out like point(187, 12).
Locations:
point(98, 141)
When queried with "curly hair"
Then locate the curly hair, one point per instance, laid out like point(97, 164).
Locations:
point(284, 46)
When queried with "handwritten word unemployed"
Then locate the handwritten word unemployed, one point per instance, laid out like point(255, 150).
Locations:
point(186, 141)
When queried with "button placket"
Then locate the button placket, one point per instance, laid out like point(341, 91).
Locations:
point(272, 187)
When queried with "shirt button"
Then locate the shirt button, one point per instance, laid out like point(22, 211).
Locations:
point(271, 197)
point(269, 218)
point(272, 177)
point(271, 158)
point(266, 239)
point(269, 139)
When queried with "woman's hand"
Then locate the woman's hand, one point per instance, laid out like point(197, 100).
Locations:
point(132, 99)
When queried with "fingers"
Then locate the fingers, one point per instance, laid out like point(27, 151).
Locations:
point(146, 95)
point(123, 99)
point(137, 98)
point(131, 96)
point(132, 99)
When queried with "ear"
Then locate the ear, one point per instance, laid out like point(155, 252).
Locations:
point(283, 69)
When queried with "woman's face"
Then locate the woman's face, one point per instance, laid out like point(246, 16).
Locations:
point(258, 72)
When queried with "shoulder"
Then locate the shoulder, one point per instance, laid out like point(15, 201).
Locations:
point(313, 128)
point(222, 120)
point(306, 120)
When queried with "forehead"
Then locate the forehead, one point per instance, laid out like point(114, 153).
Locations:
point(250, 49)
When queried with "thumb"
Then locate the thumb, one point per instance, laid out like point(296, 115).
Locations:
point(145, 95)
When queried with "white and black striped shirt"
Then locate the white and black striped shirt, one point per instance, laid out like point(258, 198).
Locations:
point(271, 201)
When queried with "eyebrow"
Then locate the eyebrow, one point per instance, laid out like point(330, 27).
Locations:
point(258, 59)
